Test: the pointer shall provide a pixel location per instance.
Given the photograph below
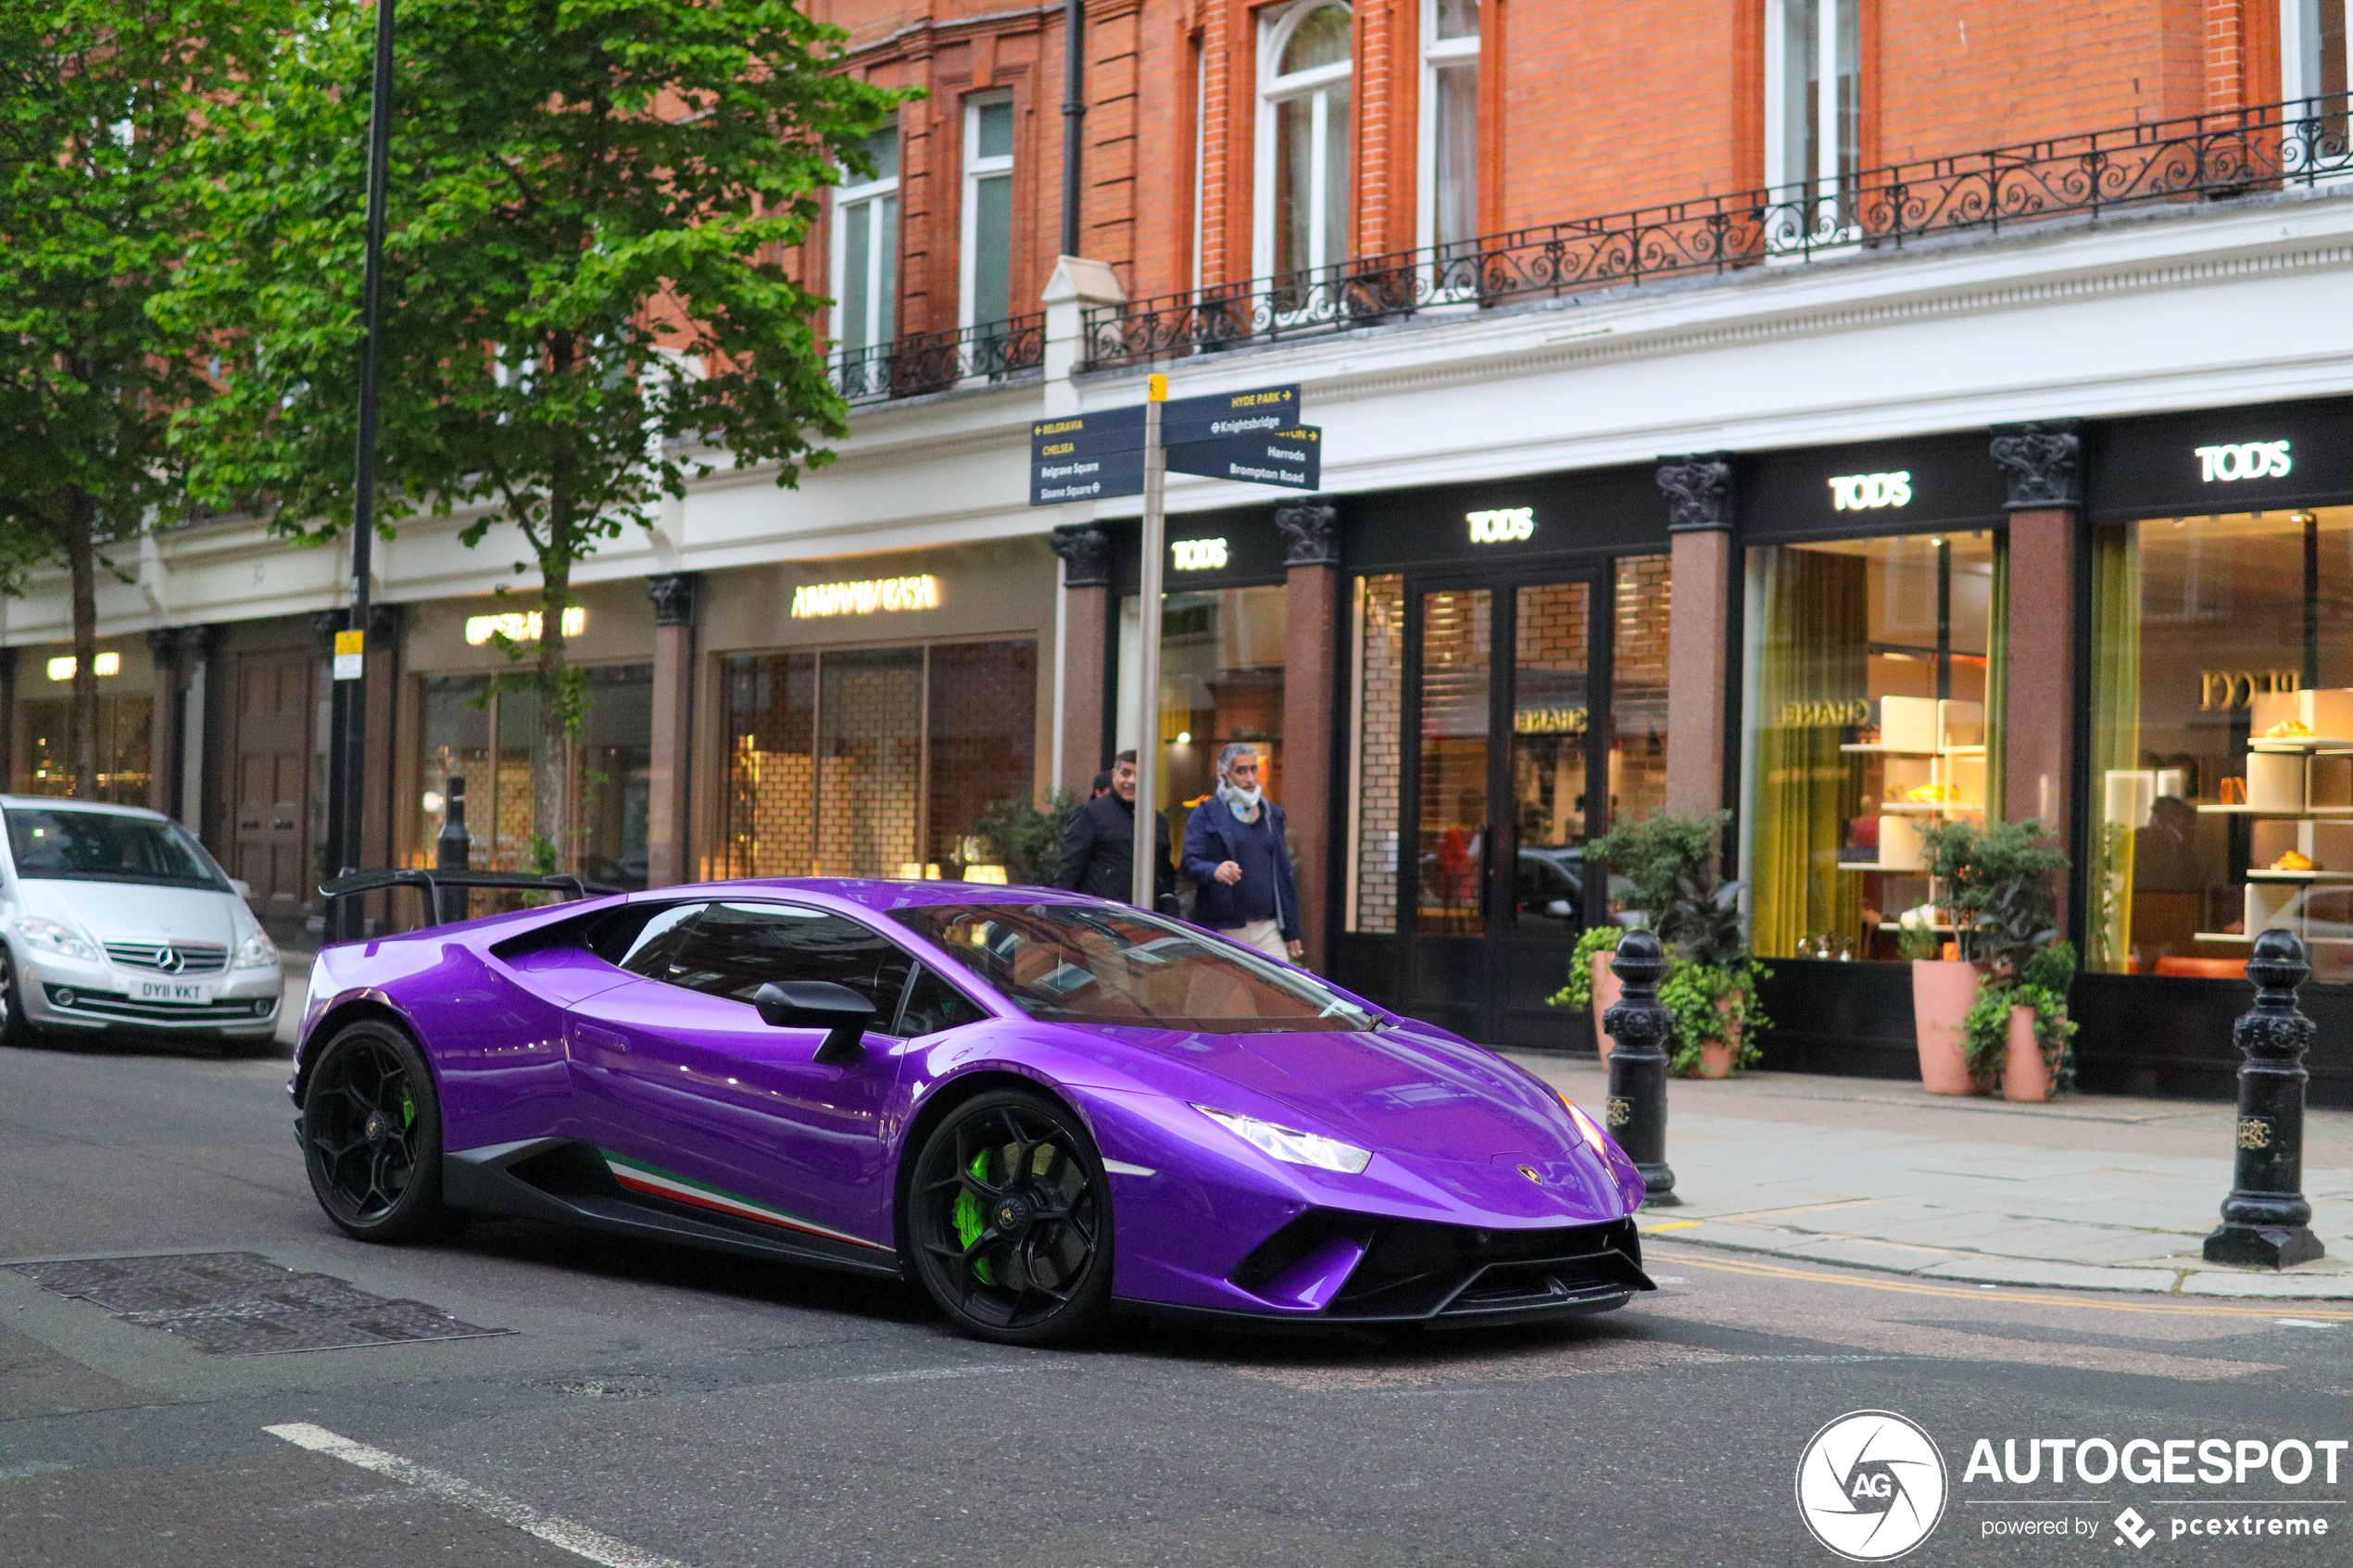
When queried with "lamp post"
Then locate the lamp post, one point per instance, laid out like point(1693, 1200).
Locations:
point(348, 753)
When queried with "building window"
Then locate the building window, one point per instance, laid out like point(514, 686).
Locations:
point(491, 739)
point(2313, 50)
point(125, 731)
point(876, 762)
point(989, 210)
point(1221, 679)
point(1874, 673)
point(1450, 121)
point(2221, 772)
point(865, 261)
point(1814, 104)
point(1303, 138)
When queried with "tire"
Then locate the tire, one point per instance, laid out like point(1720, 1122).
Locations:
point(1009, 1220)
point(371, 1137)
point(16, 1029)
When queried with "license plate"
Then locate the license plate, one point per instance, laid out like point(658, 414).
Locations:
point(186, 992)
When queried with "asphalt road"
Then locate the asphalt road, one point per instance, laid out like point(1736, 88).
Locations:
point(654, 1406)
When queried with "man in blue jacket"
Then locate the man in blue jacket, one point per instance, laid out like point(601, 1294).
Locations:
point(1234, 851)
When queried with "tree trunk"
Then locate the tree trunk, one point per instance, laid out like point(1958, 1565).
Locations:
point(82, 563)
point(551, 780)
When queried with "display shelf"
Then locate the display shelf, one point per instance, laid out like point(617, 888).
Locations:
point(1873, 748)
point(2325, 745)
point(2243, 937)
point(1875, 866)
point(1892, 925)
point(2265, 874)
point(2297, 814)
point(1931, 807)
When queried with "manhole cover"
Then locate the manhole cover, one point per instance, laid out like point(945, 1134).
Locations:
point(241, 1304)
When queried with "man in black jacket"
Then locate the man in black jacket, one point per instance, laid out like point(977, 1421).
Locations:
point(1099, 855)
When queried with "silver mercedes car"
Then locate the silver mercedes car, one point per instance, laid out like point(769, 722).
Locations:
point(115, 918)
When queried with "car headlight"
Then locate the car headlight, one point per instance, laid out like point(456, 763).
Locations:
point(1594, 1135)
point(256, 952)
point(1290, 1146)
point(51, 937)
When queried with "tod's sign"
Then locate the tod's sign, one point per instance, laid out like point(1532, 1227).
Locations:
point(2245, 459)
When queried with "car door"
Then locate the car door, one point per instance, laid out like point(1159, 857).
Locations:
point(695, 1100)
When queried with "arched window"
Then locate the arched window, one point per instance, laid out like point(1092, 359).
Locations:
point(1303, 137)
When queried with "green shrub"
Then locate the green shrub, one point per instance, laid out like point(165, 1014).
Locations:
point(1028, 841)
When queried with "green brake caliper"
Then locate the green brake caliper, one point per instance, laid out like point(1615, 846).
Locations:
point(408, 1111)
point(968, 1220)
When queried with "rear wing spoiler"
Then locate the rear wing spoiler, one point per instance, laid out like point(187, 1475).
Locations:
point(432, 883)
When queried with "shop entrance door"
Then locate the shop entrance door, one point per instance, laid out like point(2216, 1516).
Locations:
point(1505, 733)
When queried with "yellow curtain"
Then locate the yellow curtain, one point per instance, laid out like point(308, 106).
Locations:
point(2116, 741)
point(1816, 647)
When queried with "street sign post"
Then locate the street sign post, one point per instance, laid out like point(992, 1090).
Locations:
point(1254, 437)
point(1144, 888)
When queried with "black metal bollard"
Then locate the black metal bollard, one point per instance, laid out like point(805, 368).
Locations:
point(2266, 1220)
point(452, 850)
point(1638, 1064)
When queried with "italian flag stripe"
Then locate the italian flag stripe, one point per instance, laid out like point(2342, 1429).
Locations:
point(638, 1176)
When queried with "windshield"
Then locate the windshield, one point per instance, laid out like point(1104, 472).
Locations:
point(67, 846)
point(1090, 964)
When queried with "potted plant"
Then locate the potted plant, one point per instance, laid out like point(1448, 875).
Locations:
point(1669, 865)
point(1997, 886)
point(1592, 982)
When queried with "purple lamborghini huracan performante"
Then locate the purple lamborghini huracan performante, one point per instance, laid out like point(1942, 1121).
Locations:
point(1042, 1105)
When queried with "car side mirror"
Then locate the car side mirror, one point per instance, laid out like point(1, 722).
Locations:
point(817, 1004)
point(242, 888)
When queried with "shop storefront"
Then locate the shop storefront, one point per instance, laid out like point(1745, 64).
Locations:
point(2217, 782)
point(1498, 699)
point(874, 716)
point(1872, 654)
point(467, 723)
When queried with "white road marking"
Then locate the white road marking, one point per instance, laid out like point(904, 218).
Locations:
point(37, 1467)
point(578, 1539)
point(2301, 1323)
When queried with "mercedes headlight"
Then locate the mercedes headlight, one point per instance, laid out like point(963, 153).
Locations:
point(256, 952)
point(54, 937)
point(1290, 1146)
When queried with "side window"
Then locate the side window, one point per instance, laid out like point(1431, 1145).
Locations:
point(934, 1004)
point(638, 937)
point(733, 949)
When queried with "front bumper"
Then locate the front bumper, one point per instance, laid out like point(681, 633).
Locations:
point(61, 993)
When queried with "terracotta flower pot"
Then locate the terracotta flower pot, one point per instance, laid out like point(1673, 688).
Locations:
point(1607, 989)
point(1717, 1057)
point(2025, 1076)
point(1942, 990)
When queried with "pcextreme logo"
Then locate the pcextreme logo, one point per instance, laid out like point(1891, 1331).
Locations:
point(1871, 1486)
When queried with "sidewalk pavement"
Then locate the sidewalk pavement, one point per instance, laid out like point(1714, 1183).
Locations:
point(2090, 1192)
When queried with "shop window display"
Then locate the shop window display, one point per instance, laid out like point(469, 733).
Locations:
point(125, 740)
point(2221, 767)
point(1376, 711)
point(611, 762)
point(875, 761)
point(1221, 681)
point(1873, 707)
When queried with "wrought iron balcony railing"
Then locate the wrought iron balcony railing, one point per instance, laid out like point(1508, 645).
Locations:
point(2300, 143)
point(923, 362)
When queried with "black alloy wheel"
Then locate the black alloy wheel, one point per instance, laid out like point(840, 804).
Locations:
point(16, 1029)
point(1009, 1219)
point(372, 1135)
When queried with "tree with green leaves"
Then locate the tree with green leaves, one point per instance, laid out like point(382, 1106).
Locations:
point(585, 301)
point(99, 102)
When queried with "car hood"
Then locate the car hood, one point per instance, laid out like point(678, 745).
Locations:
point(134, 911)
point(1394, 1090)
